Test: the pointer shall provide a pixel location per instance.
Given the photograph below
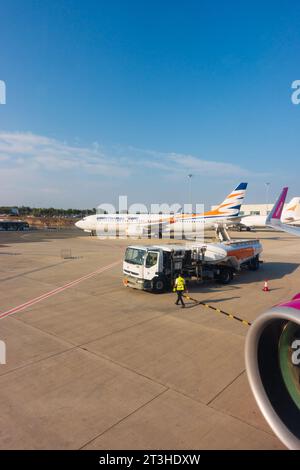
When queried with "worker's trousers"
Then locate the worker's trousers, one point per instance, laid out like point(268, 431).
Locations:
point(179, 297)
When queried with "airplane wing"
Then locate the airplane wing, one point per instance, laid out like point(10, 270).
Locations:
point(289, 229)
point(234, 220)
point(273, 219)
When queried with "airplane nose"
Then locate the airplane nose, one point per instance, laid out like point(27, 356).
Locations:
point(78, 224)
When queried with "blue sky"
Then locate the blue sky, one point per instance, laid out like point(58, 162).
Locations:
point(128, 97)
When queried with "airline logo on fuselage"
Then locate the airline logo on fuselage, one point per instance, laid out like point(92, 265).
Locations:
point(110, 218)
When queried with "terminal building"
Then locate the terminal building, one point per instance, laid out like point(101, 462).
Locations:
point(256, 209)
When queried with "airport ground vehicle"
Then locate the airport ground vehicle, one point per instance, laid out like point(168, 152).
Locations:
point(13, 225)
point(154, 267)
point(240, 228)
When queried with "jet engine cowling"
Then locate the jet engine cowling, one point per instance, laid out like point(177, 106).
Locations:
point(273, 367)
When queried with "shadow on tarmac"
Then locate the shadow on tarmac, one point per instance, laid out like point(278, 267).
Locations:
point(269, 270)
point(191, 304)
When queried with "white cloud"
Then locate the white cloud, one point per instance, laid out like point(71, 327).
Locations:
point(43, 153)
point(44, 171)
point(206, 167)
point(20, 149)
point(177, 163)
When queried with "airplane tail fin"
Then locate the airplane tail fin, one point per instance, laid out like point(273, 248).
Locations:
point(274, 217)
point(231, 206)
point(291, 206)
point(292, 211)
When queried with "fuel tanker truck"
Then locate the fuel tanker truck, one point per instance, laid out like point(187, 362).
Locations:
point(155, 267)
point(273, 367)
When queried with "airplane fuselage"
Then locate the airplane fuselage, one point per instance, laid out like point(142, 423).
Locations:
point(260, 220)
point(181, 222)
point(136, 224)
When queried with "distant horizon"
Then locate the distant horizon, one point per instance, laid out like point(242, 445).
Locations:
point(271, 203)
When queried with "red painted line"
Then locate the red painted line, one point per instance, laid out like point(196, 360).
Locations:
point(34, 301)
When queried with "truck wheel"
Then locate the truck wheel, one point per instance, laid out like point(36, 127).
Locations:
point(159, 285)
point(225, 276)
point(254, 264)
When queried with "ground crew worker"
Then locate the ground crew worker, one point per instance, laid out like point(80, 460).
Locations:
point(179, 288)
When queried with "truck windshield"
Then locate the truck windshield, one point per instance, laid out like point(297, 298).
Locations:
point(135, 256)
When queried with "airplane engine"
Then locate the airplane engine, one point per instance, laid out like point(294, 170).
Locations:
point(273, 368)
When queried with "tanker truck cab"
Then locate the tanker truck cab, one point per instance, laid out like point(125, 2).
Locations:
point(143, 268)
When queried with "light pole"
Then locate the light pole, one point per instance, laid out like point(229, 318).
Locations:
point(267, 196)
point(190, 190)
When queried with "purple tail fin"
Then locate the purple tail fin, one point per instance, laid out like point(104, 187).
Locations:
point(276, 212)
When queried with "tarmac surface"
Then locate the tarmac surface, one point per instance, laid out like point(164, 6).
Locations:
point(94, 365)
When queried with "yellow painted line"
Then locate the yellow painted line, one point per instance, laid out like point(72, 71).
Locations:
point(218, 310)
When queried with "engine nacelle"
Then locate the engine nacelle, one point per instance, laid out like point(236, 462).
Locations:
point(273, 369)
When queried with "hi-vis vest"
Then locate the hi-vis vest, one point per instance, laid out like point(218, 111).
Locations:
point(179, 283)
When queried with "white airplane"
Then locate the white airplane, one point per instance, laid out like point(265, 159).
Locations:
point(290, 215)
point(227, 213)
point(138, 224)
point(274, 218)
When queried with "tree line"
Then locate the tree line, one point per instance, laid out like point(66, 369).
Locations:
point(45, 211)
